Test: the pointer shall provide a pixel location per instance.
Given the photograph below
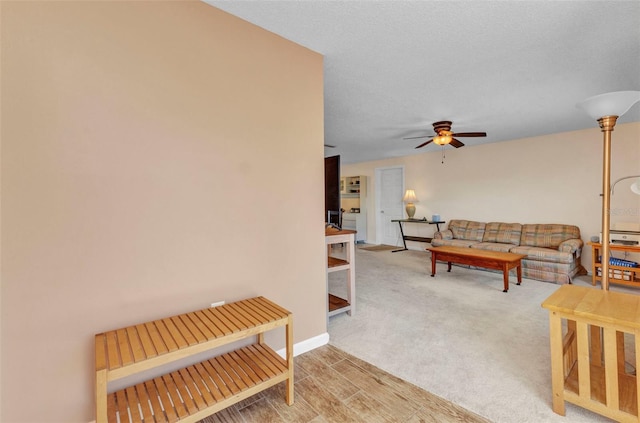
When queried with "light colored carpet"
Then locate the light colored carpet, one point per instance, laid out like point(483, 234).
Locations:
point(456, 335)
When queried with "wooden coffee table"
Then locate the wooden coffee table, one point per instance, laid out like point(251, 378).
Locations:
point(481, 258)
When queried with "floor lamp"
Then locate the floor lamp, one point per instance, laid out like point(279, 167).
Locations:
point(606, 109)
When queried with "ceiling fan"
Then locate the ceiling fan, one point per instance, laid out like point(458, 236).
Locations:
point(444, 135)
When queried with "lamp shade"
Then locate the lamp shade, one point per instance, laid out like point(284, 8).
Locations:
point(635, 187)
point(410, 196)
point(610, 104)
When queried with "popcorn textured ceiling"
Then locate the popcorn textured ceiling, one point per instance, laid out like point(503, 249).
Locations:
point(513, 69)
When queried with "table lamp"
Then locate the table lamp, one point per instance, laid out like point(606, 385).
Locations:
point(410, 198)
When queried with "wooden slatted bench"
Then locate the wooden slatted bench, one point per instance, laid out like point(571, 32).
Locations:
point(197, 391)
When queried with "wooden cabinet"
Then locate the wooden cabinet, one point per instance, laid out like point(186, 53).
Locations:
point(621, 275)
point(350, 186)
point(336, 304)
point(197, 391)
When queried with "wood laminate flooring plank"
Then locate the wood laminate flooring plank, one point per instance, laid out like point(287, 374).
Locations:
point(332, 386)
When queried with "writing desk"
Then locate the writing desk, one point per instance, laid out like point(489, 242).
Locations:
point(406, 238)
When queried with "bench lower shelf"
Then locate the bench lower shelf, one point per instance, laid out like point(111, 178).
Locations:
point(195, 392)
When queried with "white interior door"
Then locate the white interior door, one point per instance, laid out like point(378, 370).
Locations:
point(390, 187)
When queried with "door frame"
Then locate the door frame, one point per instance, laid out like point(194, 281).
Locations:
point(378, 172)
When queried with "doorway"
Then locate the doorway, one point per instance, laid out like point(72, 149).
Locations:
point(389, 190)
point(332, 190)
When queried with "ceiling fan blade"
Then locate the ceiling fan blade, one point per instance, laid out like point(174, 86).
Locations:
point(423, 144)
point(456, 143)
point(330, 146)
point(422, 136)
point(470, 134)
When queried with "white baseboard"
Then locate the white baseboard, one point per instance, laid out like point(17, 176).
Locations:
point(306, 345)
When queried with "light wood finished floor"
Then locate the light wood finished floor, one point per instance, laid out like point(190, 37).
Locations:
point(333, 386)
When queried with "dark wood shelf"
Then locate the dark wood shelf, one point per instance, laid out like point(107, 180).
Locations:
point(337, 304)
point(336, 262)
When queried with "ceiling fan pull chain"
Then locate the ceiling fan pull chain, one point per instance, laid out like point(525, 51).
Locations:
point(443, 154)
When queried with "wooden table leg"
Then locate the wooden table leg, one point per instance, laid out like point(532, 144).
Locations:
point(505, 277)
point(519, 272)
point(448, 266)
point(433, 264)
point(557, 371)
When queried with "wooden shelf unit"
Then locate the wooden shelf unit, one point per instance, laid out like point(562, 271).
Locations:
point(353, 195)
point(336, 305)
point(633, 273)
point(197, 391)
point(587, 328)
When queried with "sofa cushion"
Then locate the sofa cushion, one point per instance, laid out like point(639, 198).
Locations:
point(543, 254)
point(547, 235)
point(453, 242)
point(467, 229)
point(493, 246)
point(506, 233)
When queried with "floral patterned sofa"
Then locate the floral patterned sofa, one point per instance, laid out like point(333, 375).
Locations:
point(552, 250)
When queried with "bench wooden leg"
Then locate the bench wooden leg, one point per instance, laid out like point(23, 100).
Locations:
point(557, 371)
point(101, 396)
point(289, 341)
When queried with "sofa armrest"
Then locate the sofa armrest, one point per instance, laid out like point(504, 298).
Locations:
point(573, 246)
point(446, 234)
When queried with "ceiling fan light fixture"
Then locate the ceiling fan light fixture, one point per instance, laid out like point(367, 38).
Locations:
point(444, 135)
point(443, 138)
point(439, 140)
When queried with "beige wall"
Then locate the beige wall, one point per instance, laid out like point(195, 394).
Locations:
point(552, 179)
point(147, 170)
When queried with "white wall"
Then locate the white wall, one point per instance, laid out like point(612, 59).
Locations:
point(551, 179)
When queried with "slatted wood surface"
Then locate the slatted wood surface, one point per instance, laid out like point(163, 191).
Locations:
point(596, 381)
point(194, 392)
point(124, 347)
point(196, 388)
